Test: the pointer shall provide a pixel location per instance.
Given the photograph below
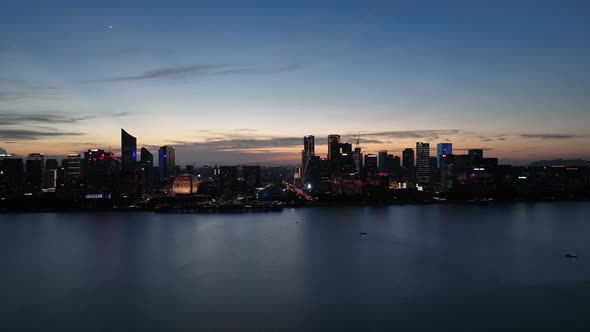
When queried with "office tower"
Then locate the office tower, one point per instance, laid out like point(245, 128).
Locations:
point(146, 167)
point(228, 176)
point(441, 150)
point(447, 175)
point(128, 151)
point(72, 168)
point(50, 174)
point(370, 164)
point(11, 176)
point(307, 153)
point(423, 164)
point(334, 152)
point(252, 176)
point(393, 167)
point(167, 163)
point(475, 157)
point(98, 170)
point(382, 160)
point(408, 158)
point(434, 171)
point(34, 170)
point(357, 157)
point(345, 148)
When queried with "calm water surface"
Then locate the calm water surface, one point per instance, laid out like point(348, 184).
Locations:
point(468, 268)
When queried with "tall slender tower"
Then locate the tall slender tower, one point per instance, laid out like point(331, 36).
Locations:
point(334, 152)
point(423, 164)
point(128, 151)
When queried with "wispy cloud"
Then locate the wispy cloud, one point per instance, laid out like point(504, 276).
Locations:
point(550, 136)
point(25, 134)
point(14, 118)
point(198, 70)
point(407, 134)
point(246, 129)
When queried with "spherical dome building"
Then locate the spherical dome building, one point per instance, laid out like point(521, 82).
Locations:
point(185, 184)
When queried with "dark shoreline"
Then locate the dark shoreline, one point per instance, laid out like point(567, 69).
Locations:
point(268, 208)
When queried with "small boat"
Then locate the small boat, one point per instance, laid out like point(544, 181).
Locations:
point(363, 233)
point(571, 255)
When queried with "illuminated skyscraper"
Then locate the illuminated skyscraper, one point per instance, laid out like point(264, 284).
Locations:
point(72, 168)
point(128, 151)
point(423, 164)
point(167, 163)
point(443, 149)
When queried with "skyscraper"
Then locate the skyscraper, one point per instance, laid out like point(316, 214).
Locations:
point(34, 170)
point(11, 176)
point(50, 175)
point(146, 167)
point(443, 149)
point(408, 158)
point(128, 151)
point(423, 164)
point(307, 153)
point(382, 160)
point(167, 163)
point(73, 168)
point(371, 167)
point(334, 152)
point(475, 157)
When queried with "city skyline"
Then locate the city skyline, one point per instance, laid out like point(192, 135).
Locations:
point(228, 83)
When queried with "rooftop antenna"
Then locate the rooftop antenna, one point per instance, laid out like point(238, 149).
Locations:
point(358, 140)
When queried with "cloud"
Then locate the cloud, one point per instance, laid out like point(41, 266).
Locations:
point(25, 134)
point(19, 119)
point(407, 134)
point(198, 70)
point(549, 136)
point(121, 114)
point(246, 129)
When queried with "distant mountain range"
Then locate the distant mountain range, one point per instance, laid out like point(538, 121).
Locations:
point(561, 162)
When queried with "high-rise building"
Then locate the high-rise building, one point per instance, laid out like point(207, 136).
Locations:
point(128, 151)
point(393, 167)
point(408, 158)
point(252, 176)
point(98, 170)
point(72, 168)
point(382, 160)
point(423, 164)
point(334, 152)
point(50, 175)
point(146, 167)
point(34, 170)
point(443, 149)
point(11, 176)
point(371, 167)
point(357, 157)
point(475, 157)
point(167, 163)
point(307, 153)
point(447, 176)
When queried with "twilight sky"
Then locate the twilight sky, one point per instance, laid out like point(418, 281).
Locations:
point(243, 81)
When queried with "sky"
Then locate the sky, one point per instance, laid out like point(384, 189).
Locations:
point(232, 82)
